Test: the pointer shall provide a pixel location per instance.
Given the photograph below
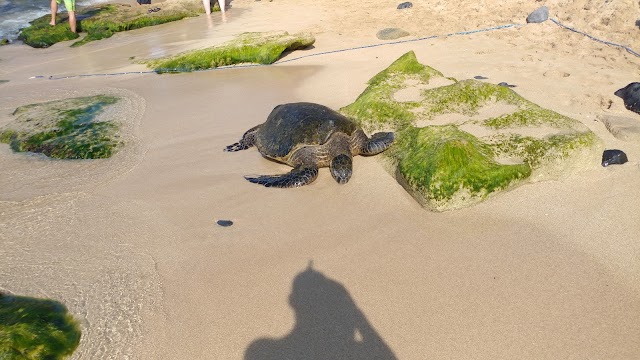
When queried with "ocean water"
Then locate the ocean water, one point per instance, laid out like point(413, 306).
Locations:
point(16, 14)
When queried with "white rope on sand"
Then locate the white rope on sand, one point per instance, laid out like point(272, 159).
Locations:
point(629, 50)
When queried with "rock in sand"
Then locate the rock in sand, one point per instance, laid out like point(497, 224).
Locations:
point(614, 156)
point(391, 34)
point(538, 16)
point(630, 94)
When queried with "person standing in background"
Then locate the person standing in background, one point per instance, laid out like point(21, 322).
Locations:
point(71, 9)
point(207, 6)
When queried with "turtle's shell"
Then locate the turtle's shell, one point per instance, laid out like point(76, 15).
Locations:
point(291, 125)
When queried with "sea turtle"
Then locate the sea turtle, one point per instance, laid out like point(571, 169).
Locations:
point(308, 136)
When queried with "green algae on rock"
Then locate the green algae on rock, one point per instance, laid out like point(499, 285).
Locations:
point(260, 48)
point(376, 108)
point(64, 129)
point(453, 147)
point(41, 35)
point(450, 166)
point(102, 21)
point(36, 329)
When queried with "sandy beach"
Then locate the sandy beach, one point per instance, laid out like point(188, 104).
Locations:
point(549, 270)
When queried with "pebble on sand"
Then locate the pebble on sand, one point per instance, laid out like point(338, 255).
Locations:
point(391, 34)
point(538, 16)
point(224, 223)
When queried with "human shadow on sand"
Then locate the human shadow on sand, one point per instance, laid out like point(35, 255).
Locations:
point(328, 325)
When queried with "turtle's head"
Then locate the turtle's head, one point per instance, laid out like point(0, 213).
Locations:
point(341, 168)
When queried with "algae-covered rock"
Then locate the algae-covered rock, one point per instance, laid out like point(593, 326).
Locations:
point(65, 129)
point(259, 48)
point(41, 35)
point(443, 166)
point(35, 329)
point(461, 141)
point(102, 21)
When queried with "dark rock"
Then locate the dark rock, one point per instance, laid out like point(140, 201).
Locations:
point(610, 157)
point(480, 77)
point(638, 23)
point(391, 34)
point(405, 5)
point(538, 16)
point(224, 223)
point(630, 94)
point(506, 85)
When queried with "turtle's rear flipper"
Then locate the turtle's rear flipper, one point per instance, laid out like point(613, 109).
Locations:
point(378, 143)
point(247, 141)
point(302, 175)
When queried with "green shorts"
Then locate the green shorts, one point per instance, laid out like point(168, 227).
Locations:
point(69, 4)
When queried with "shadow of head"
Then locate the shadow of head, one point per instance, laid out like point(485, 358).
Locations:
point(328, 325)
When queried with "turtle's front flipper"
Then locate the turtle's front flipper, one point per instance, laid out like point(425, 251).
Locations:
point(378, 143)
point(301, 175)
point(247, 141)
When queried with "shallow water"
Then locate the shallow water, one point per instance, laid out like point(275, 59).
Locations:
point(16, 14)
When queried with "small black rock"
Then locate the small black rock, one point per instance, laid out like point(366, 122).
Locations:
point(506, 85)
point(610, 157)
point(225, 223)
point(480, 77)
point(405, 5)
point(630, 94)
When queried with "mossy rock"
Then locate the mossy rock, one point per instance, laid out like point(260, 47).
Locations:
point(257, 48)
point(102, 21)
point(36, 329)
point(41, 35)
point(64, 129)
point(461, 141)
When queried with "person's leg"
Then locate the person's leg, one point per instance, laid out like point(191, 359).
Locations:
point(207, 6)
point(222, 4)
point(72, 21)
point(71, 10)
point(54, 11)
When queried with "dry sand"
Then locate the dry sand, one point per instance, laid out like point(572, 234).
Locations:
point(550, 270)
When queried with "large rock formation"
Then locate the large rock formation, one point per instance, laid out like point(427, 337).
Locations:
point(461, 141)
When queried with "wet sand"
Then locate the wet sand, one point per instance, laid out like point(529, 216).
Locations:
point(548, 270)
